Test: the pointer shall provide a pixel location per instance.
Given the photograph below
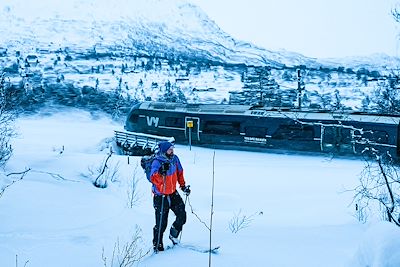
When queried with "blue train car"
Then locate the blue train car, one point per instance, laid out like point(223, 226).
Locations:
point(249, 127)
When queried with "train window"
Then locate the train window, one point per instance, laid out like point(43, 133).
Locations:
point(376, 136)
point(345, 136)
point(294, 132)
point(174, 122)
point(223, 127)
point(134, 118)
point(256, 131)
point(337, 135)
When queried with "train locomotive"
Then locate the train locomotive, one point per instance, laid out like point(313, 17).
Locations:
point(258, 128)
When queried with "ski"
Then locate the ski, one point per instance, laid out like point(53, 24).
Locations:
point(213, 250)
point(153, 252)
point(166, 248)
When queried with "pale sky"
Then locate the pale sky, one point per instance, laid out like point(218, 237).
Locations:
point(314, 28)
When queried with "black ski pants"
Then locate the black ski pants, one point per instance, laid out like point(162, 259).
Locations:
point(162, 205)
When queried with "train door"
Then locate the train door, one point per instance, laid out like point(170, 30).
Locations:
point(337, 139)
point(192, 129)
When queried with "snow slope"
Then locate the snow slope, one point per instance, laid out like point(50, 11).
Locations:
point(153, 27)
point(298, 213)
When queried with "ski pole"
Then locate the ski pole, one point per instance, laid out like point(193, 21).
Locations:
point(160, 222)
point(161, 216)
point(180, 237)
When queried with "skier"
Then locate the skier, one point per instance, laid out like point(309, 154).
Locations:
point(166, 172)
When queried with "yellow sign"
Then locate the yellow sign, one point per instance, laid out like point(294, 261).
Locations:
point(189, 124)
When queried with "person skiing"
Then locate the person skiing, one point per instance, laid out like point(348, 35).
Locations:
point(166, 172)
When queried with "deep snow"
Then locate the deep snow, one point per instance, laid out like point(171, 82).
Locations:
point(300, 212)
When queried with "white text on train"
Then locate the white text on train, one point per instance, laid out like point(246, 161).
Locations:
point(152, 120)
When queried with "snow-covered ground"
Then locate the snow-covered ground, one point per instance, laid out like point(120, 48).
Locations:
point(298, 209)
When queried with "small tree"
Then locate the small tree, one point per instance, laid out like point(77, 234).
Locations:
point(6, 122)
point(379, 189)
point(386, 97)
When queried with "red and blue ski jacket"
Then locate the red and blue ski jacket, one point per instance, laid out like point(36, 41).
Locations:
point(166, 185)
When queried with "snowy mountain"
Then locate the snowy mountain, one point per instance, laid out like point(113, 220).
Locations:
point(147, 27)
point(153, 27)
point(151, 49)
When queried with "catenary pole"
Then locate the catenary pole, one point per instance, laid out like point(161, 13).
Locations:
point(212, 211)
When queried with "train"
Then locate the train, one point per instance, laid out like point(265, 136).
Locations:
point(258, 128)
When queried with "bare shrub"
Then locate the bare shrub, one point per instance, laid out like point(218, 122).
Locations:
point(21, 176)
point(241, 221)
point(379, 190)
point(396, 14)
point(6, 122)
point(127, 254)
point(360, 214)
point(16, 261)
point(103, 173)
point(132, 191)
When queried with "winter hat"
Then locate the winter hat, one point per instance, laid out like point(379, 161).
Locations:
point(164, 146)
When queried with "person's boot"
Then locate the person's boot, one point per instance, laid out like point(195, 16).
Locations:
point(173, 235)
point(158, 248)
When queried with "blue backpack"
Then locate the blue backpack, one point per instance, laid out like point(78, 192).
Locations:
point(146, 162)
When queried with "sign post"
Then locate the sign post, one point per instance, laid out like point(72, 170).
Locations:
point(189, 124)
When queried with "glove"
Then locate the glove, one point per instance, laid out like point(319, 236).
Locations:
point(164, 168)
point(186, 189)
